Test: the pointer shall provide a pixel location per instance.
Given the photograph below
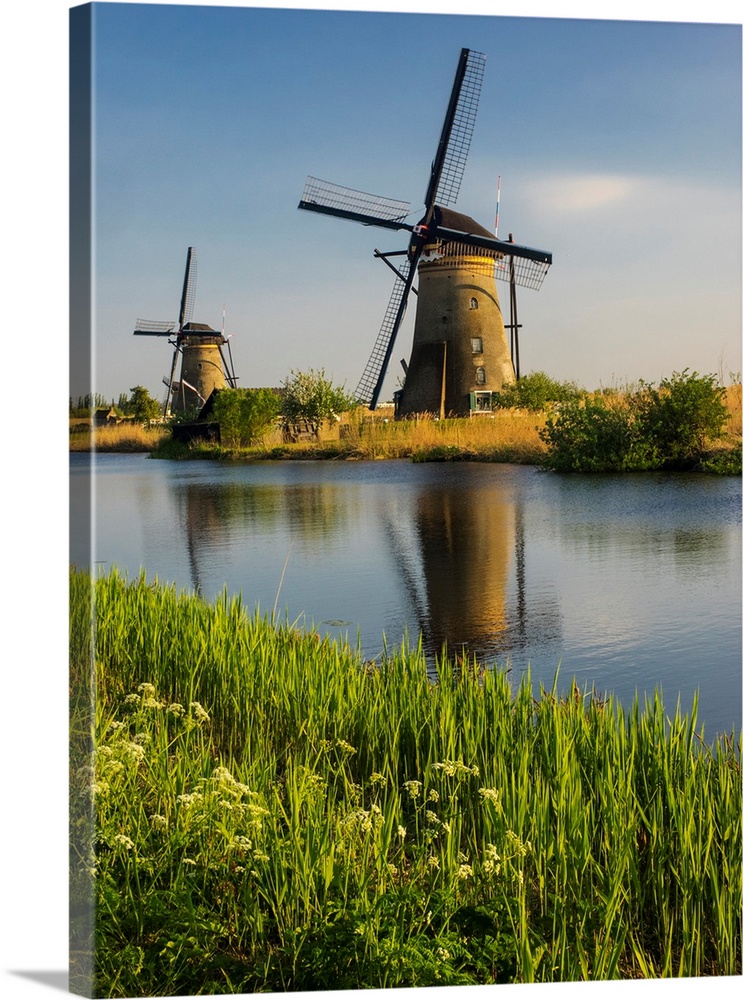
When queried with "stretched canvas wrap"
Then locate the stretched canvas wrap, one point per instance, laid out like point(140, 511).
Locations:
point(405, 426)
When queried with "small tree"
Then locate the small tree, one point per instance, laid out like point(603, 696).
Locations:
point(142, 406)
point(244, 415)
point(311, 397)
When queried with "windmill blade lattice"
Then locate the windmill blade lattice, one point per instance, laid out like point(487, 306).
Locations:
point(189, 289)
point(359, 206)
point(154, 327)
point(456, 135)
point(526, 272)
point(370, 379)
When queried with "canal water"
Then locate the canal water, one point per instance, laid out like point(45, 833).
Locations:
point(626, 583)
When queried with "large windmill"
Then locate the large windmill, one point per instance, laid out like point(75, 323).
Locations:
point(204, 366)
point(460, 354)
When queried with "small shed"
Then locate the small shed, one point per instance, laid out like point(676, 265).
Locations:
point(104, 416)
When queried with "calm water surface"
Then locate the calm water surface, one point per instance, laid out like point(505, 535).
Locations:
point(625, 582)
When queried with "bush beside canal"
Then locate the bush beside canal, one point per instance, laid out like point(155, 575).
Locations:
point(272, 813)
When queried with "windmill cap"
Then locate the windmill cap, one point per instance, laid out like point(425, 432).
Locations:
point(198, 328)
point(449, 219)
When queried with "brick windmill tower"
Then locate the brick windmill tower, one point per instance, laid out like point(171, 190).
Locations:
point(460, 353)
point(204, 365)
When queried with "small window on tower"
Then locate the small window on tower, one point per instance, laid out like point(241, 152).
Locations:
point(480, 376)
point(473, 303)
point(477, 345)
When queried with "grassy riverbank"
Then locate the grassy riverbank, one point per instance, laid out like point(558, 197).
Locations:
point(506, 435)
point(274, 814)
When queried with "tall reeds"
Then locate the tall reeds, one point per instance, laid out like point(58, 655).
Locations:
point(119, 437)
point(274, 813)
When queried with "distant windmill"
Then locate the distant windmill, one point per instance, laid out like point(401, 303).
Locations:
point(204, 366)
point(460, 353)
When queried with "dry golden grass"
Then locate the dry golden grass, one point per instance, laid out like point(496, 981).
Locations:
point(121, 437)
point(506, 436)
point(733, 403)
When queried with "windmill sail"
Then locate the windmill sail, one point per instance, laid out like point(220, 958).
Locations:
point(370, 382)
point(358, 206)
point(154, 328)
point(189, 289)
point(448, 166)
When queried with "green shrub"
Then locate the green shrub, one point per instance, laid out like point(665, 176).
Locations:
point(664, 427)
point(593, 436)
point(535, 392)
point(244, 415)
point(680, 415)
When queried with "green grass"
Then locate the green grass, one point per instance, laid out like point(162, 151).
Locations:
point(272, 813)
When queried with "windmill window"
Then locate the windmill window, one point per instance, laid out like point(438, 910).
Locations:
point(480, 376)
point(473, 303)
point(477, 345)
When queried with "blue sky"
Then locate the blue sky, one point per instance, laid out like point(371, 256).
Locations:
point(618, 143)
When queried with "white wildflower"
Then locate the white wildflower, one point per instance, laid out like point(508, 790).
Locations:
point(190, 798)
point(454, 768)
point(519, 845)
point(123, 841)
point(198, 712)
point(464, 872)
point(490, 795)
point(133, 751)
point(413, 788)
